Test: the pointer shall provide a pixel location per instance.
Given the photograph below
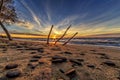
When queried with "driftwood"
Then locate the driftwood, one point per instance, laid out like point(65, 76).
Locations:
point(70, 38)
point(49, 34)
point(62, 35)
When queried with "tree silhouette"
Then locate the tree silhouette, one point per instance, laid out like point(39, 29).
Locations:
point(7, 15)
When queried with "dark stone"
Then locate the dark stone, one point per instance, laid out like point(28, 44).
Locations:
point(72, 74)
point(40, 62)
point(13, 73)
point(36, 56)
point(41, 50)
point(11, 66)
point(32, 48)
point(103, 54)
point(82, 54)
point(32, 66)
point(58, 59)
point(18, 46)
point(91, 66)
point(61, 70)
point(67, 52)
point(109, 63)
point(76, 62)
point(104, 57)
point(34, 60)
point(81, 60)
point(33, 53)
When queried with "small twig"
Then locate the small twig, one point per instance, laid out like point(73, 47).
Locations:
point(49, 34)
point(70, 38)
point(62, 35)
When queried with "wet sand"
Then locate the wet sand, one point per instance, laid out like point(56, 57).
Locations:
point(22, 60)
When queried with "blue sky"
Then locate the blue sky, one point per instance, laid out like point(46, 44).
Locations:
point(88, 17)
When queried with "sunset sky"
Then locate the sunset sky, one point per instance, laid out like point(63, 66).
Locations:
point(87, 17)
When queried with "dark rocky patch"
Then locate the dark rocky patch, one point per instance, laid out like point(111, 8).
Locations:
point(41, 50)
point(36, 56)
point(75, 62)
point(82, 54)
point(58, 59)
point(33, 53)
point(67, 52)
point(71, 74)
point(13, 73)
point(105, 57)
point(109, 63)
point(34, 60)
point(40, 62)
point(11, 66)
point(32, 66)
point(81, 60)
point(91, 66)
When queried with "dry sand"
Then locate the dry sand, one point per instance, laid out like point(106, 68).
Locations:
point(38, 61)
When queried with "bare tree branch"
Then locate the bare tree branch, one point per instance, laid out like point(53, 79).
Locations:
point(49, 34)
point(62, 35)
point(70, 38)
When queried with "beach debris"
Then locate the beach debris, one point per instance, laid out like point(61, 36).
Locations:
point(62, 35)
point(68, 71)
point(109, 63)
point(13, 73)
point(49, 34)
point(91, 66)
point(11, 66)
point(70, 38)
point(76, 62)
point(58, 59)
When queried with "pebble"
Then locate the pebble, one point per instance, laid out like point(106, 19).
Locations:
point(91, 66)
point(11, 66)
point(110, 63)
point(41, 50)
point(36, 56)
point(58, 59)
point(13, 73)
point(34, 60)
point(67, 52)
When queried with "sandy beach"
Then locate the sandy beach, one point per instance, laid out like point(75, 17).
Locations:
point(22, 60)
